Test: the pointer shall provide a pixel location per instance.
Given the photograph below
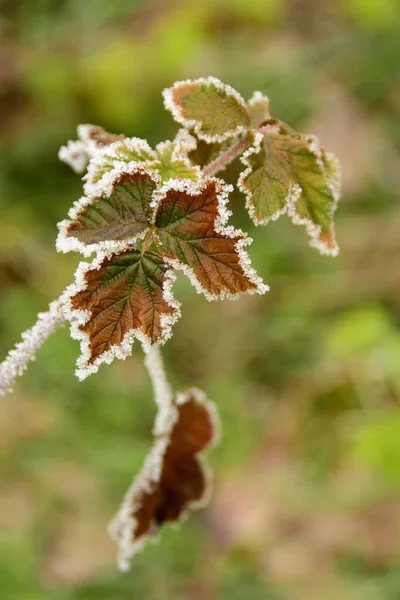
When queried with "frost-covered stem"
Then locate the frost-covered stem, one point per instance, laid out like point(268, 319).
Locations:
point(162, 390)
point(234, 151)
point(16, 361)
point(227, 157)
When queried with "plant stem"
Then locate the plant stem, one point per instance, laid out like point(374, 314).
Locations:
point(234, 151)
point(163, 394)
point(16, 361)
point(224, 159)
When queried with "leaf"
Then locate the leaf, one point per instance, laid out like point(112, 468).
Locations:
point(291, 173)
point(173, 165)
point(258, 107)
point(191, 229)
point(173, 479)
point(214, 110)
point(92, 138)
point(101, 222)
point(116, 299)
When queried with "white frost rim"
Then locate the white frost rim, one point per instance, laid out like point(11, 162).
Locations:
point(178, 115)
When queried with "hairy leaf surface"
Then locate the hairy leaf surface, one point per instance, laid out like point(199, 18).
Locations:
point(215, 111)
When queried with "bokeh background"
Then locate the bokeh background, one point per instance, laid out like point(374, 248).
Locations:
point(307, 379)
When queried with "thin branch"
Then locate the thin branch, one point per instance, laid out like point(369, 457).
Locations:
point(16, 361)
point(234, 151)
point(163, 394)
point(227, 157)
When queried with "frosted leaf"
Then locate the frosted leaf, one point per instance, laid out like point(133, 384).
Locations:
point(287, 172)
point(194, 237)
point(122, 215)
point(174, 478)
point(173, 162)
point(115, 299)
point(214, 110)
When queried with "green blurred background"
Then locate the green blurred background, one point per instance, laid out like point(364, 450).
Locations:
point(307, 379)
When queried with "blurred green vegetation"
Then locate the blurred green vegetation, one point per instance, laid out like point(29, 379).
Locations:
point(307, 379)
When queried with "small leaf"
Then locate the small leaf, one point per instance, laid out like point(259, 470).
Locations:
point(99, 222)
point(173, 479)
point(258, 107)
point(216, 111)
point(129, 150)
point(191, 229)
point(116, 299)
point(291, 173)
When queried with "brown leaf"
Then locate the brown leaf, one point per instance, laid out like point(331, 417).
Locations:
point(116, 299)
point(191, 228)
point(173, 479)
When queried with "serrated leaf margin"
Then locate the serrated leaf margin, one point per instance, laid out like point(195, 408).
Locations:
point(79, 317)
point(221, 227)
point(110, 152)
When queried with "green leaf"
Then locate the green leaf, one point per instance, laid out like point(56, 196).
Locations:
point(126, 151)
point(192, 234)
point(215, 110)
point(291, 173)
point(100, 222)
point(116, 299)
point(172, 165)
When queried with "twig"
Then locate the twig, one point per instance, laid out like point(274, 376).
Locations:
point(234, 151)
point(224, 159)
point(16, 361)
point(163, 394)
